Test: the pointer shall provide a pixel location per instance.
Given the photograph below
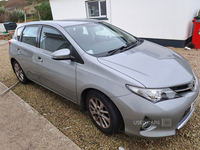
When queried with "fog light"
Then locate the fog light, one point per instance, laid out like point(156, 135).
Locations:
point(146, 124)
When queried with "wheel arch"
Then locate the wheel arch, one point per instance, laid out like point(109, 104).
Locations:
point(25, 80)
point(83, 101)
point(12, 60)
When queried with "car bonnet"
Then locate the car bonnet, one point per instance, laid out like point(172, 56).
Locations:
point(152, 65)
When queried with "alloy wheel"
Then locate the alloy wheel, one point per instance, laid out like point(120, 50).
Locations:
point(99, 113)
point(19, 72)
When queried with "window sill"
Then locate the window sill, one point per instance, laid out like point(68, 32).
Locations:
point(105, 18)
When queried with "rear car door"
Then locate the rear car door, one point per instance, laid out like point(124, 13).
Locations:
point(56, 75)
point(25, 49)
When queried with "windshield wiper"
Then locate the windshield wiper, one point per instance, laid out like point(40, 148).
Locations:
point(116, 50)
point(121, 49)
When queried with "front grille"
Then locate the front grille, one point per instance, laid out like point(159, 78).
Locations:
point(184, 88)
point(181, 88)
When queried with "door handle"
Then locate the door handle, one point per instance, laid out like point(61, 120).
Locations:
point(18, 50)
point(38, 58)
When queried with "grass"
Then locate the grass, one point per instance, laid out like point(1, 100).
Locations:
point(67, 117)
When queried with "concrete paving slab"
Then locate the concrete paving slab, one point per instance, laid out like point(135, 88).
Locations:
point(3, 42)
point(22, 127)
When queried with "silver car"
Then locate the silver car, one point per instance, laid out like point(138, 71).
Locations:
point(123, 81)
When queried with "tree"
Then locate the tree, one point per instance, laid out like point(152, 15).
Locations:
point(44, 11)
point(16, 4)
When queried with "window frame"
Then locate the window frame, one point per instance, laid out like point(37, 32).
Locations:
point(16, 32)
point(100, 17)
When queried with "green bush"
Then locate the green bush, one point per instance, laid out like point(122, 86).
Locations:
point(15, 15)
point(45, 11)
point(2, 10)
point(12, 16)
point(2, 15)
point(20, 15)
point(35, 15)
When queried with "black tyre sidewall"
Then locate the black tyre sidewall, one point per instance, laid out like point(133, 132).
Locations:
point(115, 117)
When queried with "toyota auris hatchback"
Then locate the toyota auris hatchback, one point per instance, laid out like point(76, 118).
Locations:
point(123, 81)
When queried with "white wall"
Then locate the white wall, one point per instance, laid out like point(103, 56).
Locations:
point(160, 19)
point(67, 9)
point(194, 9)
point(2, 28)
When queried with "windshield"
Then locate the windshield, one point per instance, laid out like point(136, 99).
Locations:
point(100, 38)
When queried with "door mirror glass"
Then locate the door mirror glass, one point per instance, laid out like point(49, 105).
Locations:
point(63, 54)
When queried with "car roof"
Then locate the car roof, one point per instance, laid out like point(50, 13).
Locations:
point(63, 23)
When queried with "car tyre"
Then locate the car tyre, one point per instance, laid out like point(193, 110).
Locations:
point(103, 112)
point(19, 72)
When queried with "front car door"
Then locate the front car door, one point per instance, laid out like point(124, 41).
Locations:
point(56, 75)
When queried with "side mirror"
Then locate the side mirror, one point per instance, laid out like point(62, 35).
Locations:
point(63, 54)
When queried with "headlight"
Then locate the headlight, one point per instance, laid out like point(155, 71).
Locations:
point(154, 95)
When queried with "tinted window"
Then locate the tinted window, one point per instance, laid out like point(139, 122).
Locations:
point(29, 35)
point(52, 40)
point(19, 31)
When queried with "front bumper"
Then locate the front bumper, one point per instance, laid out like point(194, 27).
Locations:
point(166, 116)
point(187, 115)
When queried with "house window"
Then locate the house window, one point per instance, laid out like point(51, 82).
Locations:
point(96, 9)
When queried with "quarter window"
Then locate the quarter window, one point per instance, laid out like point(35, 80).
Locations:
point(52, 40)
point(29, 35)
point(19, 31)
point(96, 9)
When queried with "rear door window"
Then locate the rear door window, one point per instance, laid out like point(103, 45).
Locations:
point(30, 34)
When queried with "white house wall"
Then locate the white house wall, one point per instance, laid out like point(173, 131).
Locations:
point(194, 9)
point(159, 19)
point(67, 9)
